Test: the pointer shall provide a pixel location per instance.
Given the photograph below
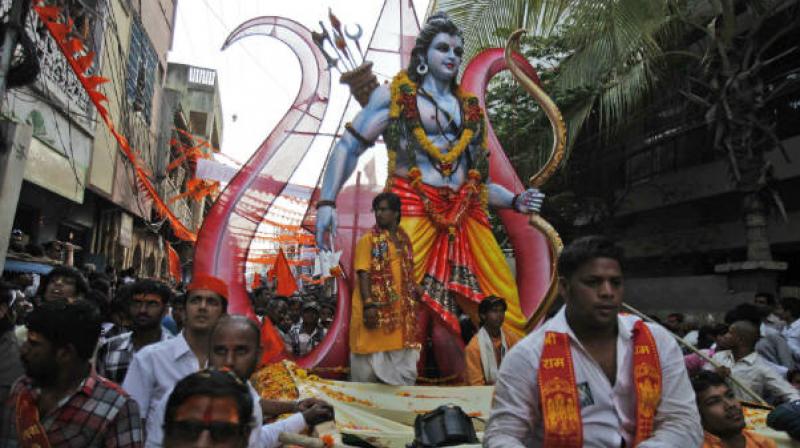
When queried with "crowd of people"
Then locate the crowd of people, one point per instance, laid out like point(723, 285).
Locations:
point(100, 360)
point(129, 362)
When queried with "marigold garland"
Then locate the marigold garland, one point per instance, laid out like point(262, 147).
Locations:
point(382, 284)
point(404, 100)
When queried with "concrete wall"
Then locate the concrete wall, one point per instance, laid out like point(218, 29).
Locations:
point(701, 295)
point(105, 150)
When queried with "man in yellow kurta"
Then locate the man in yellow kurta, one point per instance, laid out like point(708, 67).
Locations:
point(487, 348)
point(383, 346)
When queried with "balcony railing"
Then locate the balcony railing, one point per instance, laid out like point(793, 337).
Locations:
point(204, 76)
point(56, 80)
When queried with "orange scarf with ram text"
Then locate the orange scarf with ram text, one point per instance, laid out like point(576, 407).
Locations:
point(558, 392)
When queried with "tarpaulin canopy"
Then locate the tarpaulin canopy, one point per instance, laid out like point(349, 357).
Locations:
point(27, 266)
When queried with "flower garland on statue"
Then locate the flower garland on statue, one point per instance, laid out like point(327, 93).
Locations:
point(403, 106)
point(382, 287)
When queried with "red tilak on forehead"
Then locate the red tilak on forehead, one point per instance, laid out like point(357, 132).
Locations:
point(209, 409)
point(208, 413)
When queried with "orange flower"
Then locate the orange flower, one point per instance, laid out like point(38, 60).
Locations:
point(327, 439)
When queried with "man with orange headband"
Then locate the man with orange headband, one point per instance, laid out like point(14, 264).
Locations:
point(590, 377)
point(156, 368)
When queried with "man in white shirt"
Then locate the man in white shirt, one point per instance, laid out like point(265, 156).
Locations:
point(236, 345)
point(156, 368)
point(738, 356)
point(573, 383)
point(771, 322)
point(791, 312)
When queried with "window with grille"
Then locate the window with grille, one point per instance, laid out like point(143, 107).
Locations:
point(142, 64)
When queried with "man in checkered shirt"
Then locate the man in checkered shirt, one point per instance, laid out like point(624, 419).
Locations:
point(61, 401)
point(147, 307)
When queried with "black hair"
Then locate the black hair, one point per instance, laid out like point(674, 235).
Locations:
point(769, 296)
point(678, 316)
point(706, 336)
point(437, 23)
point(6, 292)
point(392, 201)
point(6, 296)
point(210, 383)
point(705, 379)
point(327, 304)
point(81, 285)
point(65, 323)
point(792, 305)
point(585, 249)
point(122, 297)
point(488, 302)
point(148, 286)
point(100, 300)
point(791, 373)
point(226, 319)
point(744, 311)
point(101, 285)
point(35, 250)
point(178, 299)
point(259, 290)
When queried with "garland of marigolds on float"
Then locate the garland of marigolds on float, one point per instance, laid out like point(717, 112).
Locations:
point(403, 108)
point(80, 61)
point(382, 287)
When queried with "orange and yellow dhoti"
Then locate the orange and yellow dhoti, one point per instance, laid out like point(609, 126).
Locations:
point(458, 264)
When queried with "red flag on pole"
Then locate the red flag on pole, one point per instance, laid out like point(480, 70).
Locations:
point(282, 273)
point(174, 263)
point(271, 343)
point(256, 281)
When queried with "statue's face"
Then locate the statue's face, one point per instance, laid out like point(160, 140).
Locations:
point(444, 56)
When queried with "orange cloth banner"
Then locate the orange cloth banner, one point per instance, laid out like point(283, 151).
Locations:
point(80, 60)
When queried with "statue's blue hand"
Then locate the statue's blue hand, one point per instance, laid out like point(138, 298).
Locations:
point(326, 222)
point(530, 201)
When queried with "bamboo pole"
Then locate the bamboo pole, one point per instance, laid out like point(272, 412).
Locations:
point(705, 357)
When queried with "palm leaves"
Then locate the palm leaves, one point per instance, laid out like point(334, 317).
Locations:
point(482, 19)
point(616, 45)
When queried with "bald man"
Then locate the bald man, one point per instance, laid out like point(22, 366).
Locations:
point(236, 345)
point(736, 352)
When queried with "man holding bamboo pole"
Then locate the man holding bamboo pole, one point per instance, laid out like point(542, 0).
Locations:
point(591, 377)
point(736, 355)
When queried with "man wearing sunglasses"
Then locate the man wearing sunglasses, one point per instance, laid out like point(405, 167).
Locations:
point(236, 346)
point(210, 408)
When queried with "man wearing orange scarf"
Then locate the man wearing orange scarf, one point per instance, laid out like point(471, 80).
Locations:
point(590, 377)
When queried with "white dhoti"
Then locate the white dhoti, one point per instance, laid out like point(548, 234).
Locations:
point(396, 367)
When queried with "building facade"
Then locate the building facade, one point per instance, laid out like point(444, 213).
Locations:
point(79, 187)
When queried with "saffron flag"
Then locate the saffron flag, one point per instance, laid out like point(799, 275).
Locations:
point(174, 263)
point(256, 281)
point(282, 274)
point(271, 343)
